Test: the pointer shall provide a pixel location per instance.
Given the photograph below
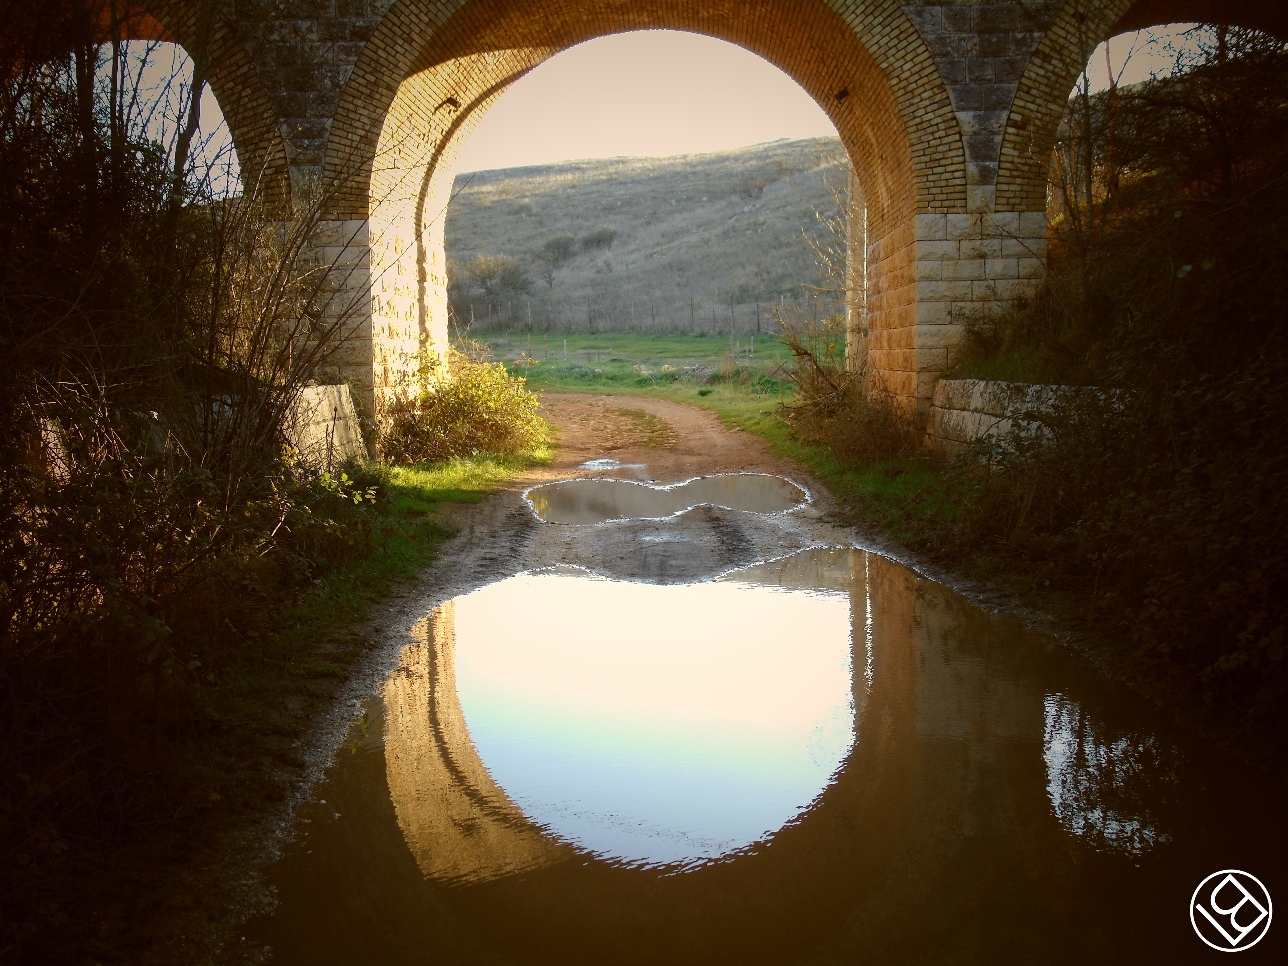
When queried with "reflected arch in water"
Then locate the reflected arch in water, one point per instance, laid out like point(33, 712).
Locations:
point(458, 823)
point(463, 828)
point(980, 807)
point(647, 724)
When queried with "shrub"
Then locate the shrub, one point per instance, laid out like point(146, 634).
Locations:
point(1160, 500)
point(468, 407)
point(559, 249)
point(837, 407)
point(157, 334)
point(600, 238)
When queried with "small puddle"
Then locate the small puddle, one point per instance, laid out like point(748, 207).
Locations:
point(588, 502)
point(825, 758)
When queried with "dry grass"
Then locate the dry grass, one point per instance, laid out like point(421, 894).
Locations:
point(837, 406)
point(656, 244)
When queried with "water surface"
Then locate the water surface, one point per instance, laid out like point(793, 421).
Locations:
point(822, 759)
point(592, 501)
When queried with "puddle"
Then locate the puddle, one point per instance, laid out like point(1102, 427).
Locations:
point(619, 734)
point(598, 501)
point(825, 758)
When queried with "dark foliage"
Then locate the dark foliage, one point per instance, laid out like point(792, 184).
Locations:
point(1162, 498)
point(156, 336)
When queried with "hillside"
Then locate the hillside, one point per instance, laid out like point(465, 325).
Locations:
point(685, 243)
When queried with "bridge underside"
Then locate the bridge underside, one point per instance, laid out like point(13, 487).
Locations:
point(948, 111)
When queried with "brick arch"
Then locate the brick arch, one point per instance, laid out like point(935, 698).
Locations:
point(1054, 68)
point(895, 117)
point(242, 97)
point(432, 67)
point(248, 111)
point(1268, 15)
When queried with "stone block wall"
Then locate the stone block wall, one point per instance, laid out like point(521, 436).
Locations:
point(928, 281)
point(341, 250)
point(325, 428)
point(965, 411)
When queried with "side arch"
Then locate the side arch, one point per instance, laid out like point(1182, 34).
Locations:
point(1054, 68)
point(248, 111)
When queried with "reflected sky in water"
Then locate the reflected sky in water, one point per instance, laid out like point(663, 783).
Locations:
point(658, 725)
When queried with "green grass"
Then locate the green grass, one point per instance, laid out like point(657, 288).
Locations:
point(616, 354)
point(406, 537)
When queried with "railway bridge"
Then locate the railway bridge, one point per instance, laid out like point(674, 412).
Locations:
point(948, 110)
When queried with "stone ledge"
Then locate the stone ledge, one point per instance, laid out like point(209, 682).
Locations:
point(964, 411)
point(324, 427)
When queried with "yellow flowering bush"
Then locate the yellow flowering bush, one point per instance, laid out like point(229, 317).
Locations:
point(467, 406)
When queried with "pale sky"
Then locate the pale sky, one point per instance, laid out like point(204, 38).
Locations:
point(655, 92)
point(1139, 55)
point(662, 92)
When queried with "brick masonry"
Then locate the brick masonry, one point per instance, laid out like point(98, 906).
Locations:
point(948, 109)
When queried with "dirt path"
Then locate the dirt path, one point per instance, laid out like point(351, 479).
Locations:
point(652, 440)
point(672, 440)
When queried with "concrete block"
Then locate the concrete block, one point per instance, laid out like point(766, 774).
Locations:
point(983, 291)
point(896, 381)
point(962, 226)
point(1006, 222)
point(1015, 288)
point(981, 198)
point(931, 227)
point(937, 249)
point(1001, 268)
point(1033, 224)
point(933, 313)
point(1024, 248)
point(981, 248)
point(945, 291)
point(324, 427)
point(934, 362)
point(1032, 268)
point(929, 270)
point(947, 336)
point(964, 268)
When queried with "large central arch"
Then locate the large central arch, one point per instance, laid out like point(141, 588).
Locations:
point(432, 68)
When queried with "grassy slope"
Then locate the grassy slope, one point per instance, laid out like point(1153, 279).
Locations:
point(707, 226)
